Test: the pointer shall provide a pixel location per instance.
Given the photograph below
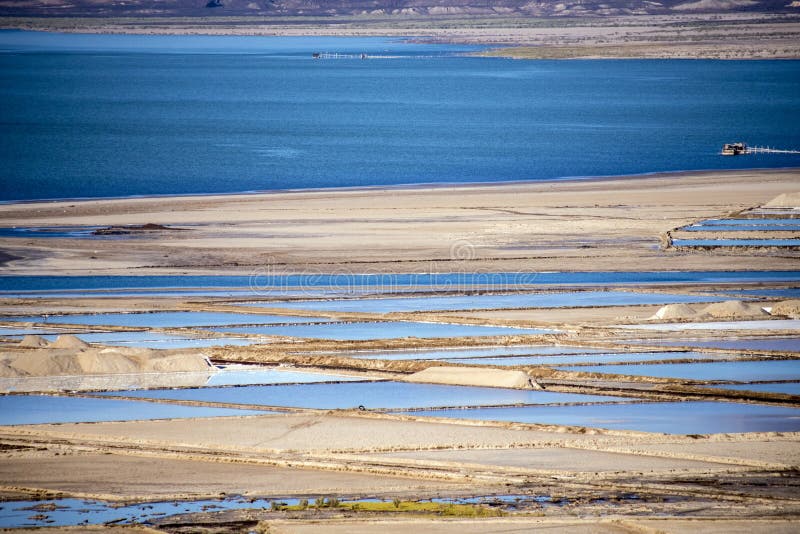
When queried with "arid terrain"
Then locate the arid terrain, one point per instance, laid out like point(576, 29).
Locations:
point(382, 460)
point(676, 33)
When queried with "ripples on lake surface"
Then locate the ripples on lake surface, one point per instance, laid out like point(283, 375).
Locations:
point(206, 114)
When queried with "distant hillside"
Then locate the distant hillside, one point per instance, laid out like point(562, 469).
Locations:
point(439, 9)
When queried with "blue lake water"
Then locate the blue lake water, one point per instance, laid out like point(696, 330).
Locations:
point(167, 319)
point(542, 300)
point(37, 409)
point(372, 395)
point(382, 330)
point(666, 417)
point(137, 115)
point(735, 371)
point(344, 282)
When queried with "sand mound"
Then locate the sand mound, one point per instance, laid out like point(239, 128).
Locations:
point(33, 341)
point(675, 311)
point(49, 362)
point(734, 308)
point(789, 308)
point(68, 341)
point(786, 200)
point(472, 376)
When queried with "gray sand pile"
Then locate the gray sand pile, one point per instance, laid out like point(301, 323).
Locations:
point(786, 200)
point(33, 341)
point(471, 376)
point(68, 341)
point(788, 308)
point(54, 362)
point(735, 309)
point(675, 311)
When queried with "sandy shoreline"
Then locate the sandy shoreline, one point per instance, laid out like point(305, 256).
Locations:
point(619, 223)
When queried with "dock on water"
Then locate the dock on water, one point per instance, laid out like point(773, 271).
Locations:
point(737, 149)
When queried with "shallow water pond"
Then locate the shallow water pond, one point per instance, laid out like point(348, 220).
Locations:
point(736, 242)
point(665, 417)
point(724, 371)
point(74, 512)
point(38, 409)
point(70, 512)
point(167, 319)
point(345, 282)
point(74, 232)
point(371, 395)
point(744, 225)
point(585, 358)
point(381, 330)
point(469, 352)
point(525, 300)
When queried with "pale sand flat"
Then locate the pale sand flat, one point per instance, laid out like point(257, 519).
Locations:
point(555, 459)
point(147, 478)
point(609, 224)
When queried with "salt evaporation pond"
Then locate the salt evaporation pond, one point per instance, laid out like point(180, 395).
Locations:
point(371, 395)
point(345, 282)
point(167, 319)
point(736, 242)
point(39, 409)
point(783, 344)
point(247, 375)
point(746, 371)
point(665, 417)
point(789, 388)
point(471, 352)
point(157, 340)
point(744, 225)
point(524, 300)
point(381, 330)
point(585, 358)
